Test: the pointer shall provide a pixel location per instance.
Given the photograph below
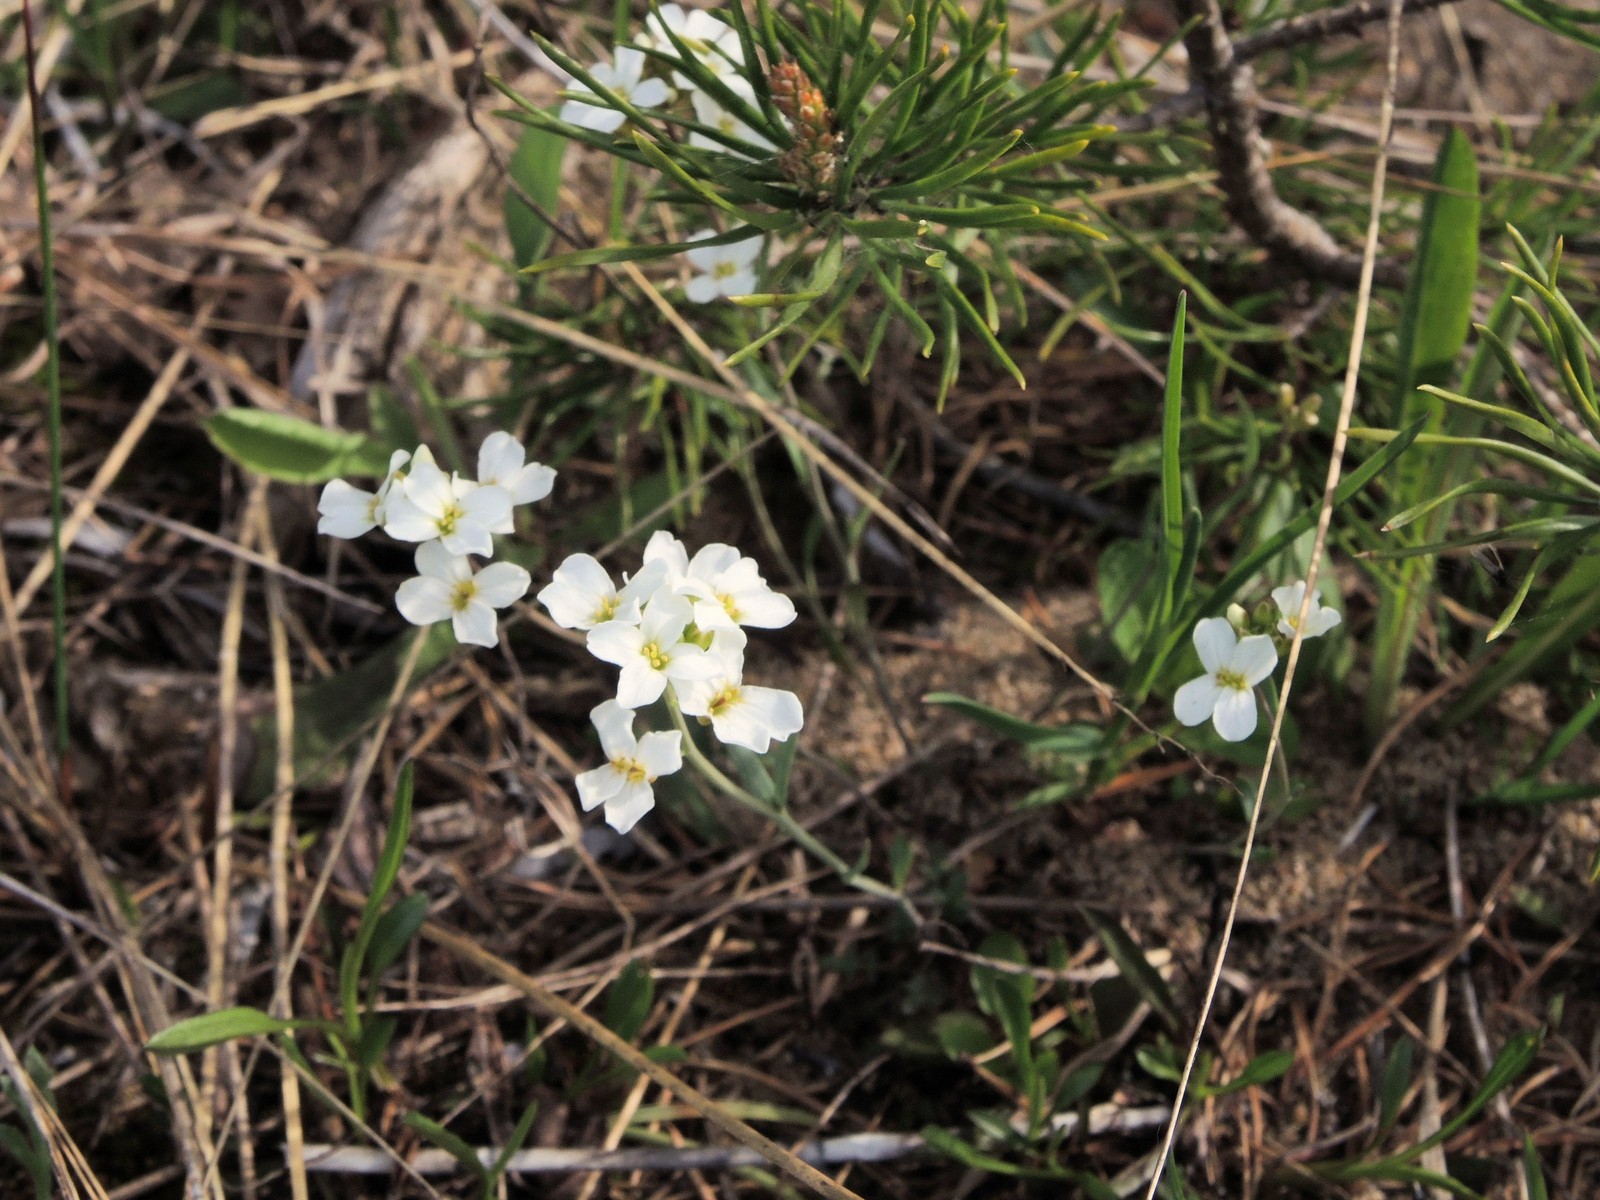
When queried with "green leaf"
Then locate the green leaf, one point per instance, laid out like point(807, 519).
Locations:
point(962, 1034)
point(536, 167)
point(1135, 968)
point(628, 1001)
point(1129, 582)
point(384, 875)
point(1438, 304)
point(394, 932)
point(214, 1028)
point(1172, 464)
point(1533, 1170)
point(1008, 997)
point(376, 1035)
point(1263, 1068)
point(1392, 1088)
point(290, 449)
point(457, 1148)
point(332, 713)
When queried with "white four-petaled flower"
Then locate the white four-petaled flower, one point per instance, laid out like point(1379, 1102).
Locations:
point(580, 594)
point(429, 504)
point(727, 590)
point(632, 765)
point(712, 42)
point(1233, 668)
point(724, 270)
point(625, 77)
point(708, 112)
point(741, 714)
point(346, 511)
point(1319, 620)
point(502, 463)
point(447, 589)
point(652, 653)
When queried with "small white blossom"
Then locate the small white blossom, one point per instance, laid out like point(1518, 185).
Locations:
point(429, 504)
point(708, 112)
point(446, 588)
point(1233, 667)
point(625, 77)
point(740, 714)
point(632, 765)
point(580, 594)
point(1289, 598)
point(727, 589)
point(724, 270)
point(652, 653)
point(348, 512)
point(502, 463)
point(714, 43)
point(672, 554)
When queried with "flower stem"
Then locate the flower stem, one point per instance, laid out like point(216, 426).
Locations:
point(780, 817)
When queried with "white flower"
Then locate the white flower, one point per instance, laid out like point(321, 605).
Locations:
point(651, 653)
point(430, 504)
point(447, 589)
point(740, 714)
point(724, 270)
point(501, 461)
point(708, 112)
point(728, 590)
point(348, 512)
point(667, 550)
point(714, 43)
point(1233, 668)
point(1289, 598)
point(632, 765)
point(580, 595)
point(626, 78)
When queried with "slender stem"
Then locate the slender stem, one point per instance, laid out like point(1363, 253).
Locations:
point(797, 832)
point(52, 377)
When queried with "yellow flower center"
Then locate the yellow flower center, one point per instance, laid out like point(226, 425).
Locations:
point(463, 594)
point(448, 519)
point(724, 700)
point(630, 769)
point(655, 656)
point(606, 610)
point(1232, 680)
point(729, 607)
point(724, 270)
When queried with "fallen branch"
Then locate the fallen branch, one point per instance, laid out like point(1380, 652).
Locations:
point(1286, 233)
point(827, 1152)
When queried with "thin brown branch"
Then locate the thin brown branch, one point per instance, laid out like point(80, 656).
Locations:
point(1286, 233)
point(1313, 27)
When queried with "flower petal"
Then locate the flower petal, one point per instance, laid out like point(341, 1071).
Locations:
point(436, 562)
point(404, 520)
point(660, 753)
point(532, 482)
point(499, 458)
point(1254, 657)
point(616, 643)
point(1214, 639)
point(701, 289)
point(599, 785)
point(425, 601)
point(1195, 700)
point(638, 685)
point(476, 625)
point(1289, 596)
point(627, 806)
point(1235, 715)
point(614, 724)
point(502, 583)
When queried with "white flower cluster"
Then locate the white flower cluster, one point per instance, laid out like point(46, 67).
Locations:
point(452, 517)
point(726, 270)
point(1234, 665)
point(677, 624)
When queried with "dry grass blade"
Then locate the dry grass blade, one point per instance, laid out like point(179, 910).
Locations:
point(1341, 437)
point(790, 1164)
